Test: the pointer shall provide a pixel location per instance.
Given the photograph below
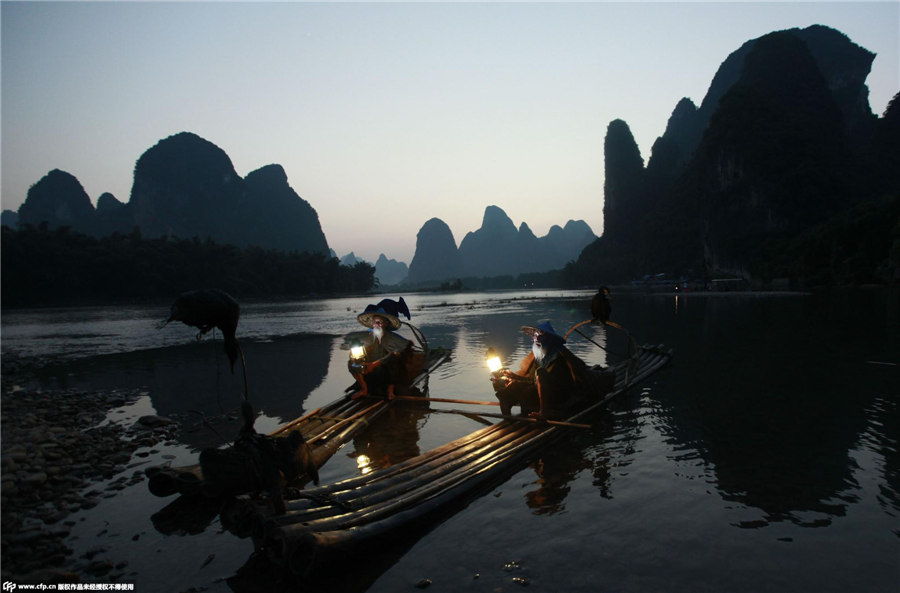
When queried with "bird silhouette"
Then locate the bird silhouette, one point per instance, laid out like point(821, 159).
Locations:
point(395, 308)
point(600, 305)
point(208, 308)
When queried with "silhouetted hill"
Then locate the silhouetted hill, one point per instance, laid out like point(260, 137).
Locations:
point(843, 64)
point(274, 211)
point(112, 216)
point(566, 242)
point(108, 203)
point(783, 143)
point(436, 257)
point(493, 249)
point(59, 200)
point(624, 187)
point(185, 186)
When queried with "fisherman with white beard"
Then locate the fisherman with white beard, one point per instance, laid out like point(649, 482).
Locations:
point(382, 367)
point(548, 379)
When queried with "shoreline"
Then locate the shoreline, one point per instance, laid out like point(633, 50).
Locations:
point(665, 289)
point(61, 454)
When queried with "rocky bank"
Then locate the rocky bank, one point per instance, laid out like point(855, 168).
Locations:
point(63, 453)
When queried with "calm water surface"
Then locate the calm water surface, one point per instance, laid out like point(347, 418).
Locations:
point(764, 458)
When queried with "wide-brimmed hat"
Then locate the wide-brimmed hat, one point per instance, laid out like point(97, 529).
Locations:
point(386, 309)
point(545, 328)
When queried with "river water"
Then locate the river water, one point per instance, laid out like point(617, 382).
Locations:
point(763, 458)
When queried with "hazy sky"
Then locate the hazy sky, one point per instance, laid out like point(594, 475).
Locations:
point(383, 115)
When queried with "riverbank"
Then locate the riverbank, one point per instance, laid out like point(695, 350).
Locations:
point(61, 454)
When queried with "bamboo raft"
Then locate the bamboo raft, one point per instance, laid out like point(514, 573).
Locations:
point(323, 524)
point(325, 430)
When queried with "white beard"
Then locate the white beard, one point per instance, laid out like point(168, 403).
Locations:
point(538, 351)
point(378, 332)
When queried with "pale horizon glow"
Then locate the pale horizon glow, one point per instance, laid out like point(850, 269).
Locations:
point(383, 115)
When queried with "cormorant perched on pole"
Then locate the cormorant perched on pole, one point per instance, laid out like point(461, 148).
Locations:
point(600, 305)
point(206, 309)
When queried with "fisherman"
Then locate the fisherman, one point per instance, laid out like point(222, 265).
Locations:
point(550, 379)
point(388, 361)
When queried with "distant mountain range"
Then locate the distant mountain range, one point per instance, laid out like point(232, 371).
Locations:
point(781, 172)
point(498, 248)
point(388, 272)
point(186, 187)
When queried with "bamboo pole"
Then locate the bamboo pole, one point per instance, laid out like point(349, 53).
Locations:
point(334, 408)
point(344, 421)
point(415, 398)
point(296, 421)
point(518, 418)
point(337, 406)
point(401, 484)
point(393, 500)
point(408, 468)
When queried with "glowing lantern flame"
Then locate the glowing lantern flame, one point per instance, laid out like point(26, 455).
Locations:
point(364, 464)
point(493, 360)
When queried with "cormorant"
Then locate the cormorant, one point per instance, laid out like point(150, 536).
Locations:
point(600, 305)
point(395, 308)
point(206, 309)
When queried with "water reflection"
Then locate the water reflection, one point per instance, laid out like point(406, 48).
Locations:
point(186, 515)
point(391, 438)
point(779, 411)
point(555, 470)
point(880, 442)
point(192, 381)
point(610, 444)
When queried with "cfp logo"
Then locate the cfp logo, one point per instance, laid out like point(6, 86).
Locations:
point(8, 586)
